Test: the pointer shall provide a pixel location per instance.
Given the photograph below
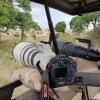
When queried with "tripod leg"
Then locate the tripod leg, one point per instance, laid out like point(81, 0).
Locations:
point(52, 98)
point(85, 95)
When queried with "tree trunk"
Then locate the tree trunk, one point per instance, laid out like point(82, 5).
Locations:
point(94, 28)
point(22, 35)
point(3, 31)
point(0, 37)
point(94, 25)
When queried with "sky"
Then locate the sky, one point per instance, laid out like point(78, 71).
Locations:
point(39, 15)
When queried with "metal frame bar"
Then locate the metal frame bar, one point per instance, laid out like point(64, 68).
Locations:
point(84, 1)
point(72, 2)
point(92, 2)
point(52, 32)
point(7, 90)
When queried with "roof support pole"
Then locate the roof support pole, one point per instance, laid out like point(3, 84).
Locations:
point(52, 32)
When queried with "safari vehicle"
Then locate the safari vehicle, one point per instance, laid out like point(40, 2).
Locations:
point(72, 7)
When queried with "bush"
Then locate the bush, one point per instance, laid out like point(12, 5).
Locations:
point(97, 34)
point(34, 36)
point(60, 26)
point(16, 35)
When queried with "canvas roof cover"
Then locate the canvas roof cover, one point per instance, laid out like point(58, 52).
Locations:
point(73, 7)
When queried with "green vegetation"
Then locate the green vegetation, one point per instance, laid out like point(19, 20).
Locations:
point(80, 23)
point(65, 37)
point(77, 24)
point(7, 64)
point(34, 36)
point(12, 18)
point(25, 23)
point(60, 26)
point(96, 36)
point(25, 4)
point(8, 13)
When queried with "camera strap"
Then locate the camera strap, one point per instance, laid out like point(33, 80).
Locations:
point(45, 87)
point(44, 93)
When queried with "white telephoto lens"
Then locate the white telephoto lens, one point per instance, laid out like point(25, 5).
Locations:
point(29, 55)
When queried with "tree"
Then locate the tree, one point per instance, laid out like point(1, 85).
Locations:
point(25, 4)
point(10, 17)
point(77, 24)
point(25, 23)
point(24, 19)
point(80, 23)
point(93, 18)
point(8, 13)
point(60, 26)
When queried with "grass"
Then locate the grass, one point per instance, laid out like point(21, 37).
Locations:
point(65, 37)
point(8, 65)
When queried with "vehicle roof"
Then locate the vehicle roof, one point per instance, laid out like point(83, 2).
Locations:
point(73, 7)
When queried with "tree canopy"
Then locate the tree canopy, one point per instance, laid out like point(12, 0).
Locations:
point(80, 23)
point(11, 17)
point(24, 20)
point(8, 12)
point(60, 26)
point(77, 24)
point(25, 4)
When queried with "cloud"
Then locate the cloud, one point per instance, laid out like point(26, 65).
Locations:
point(39, 15)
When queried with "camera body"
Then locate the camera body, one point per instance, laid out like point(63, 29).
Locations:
point(62, 71)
